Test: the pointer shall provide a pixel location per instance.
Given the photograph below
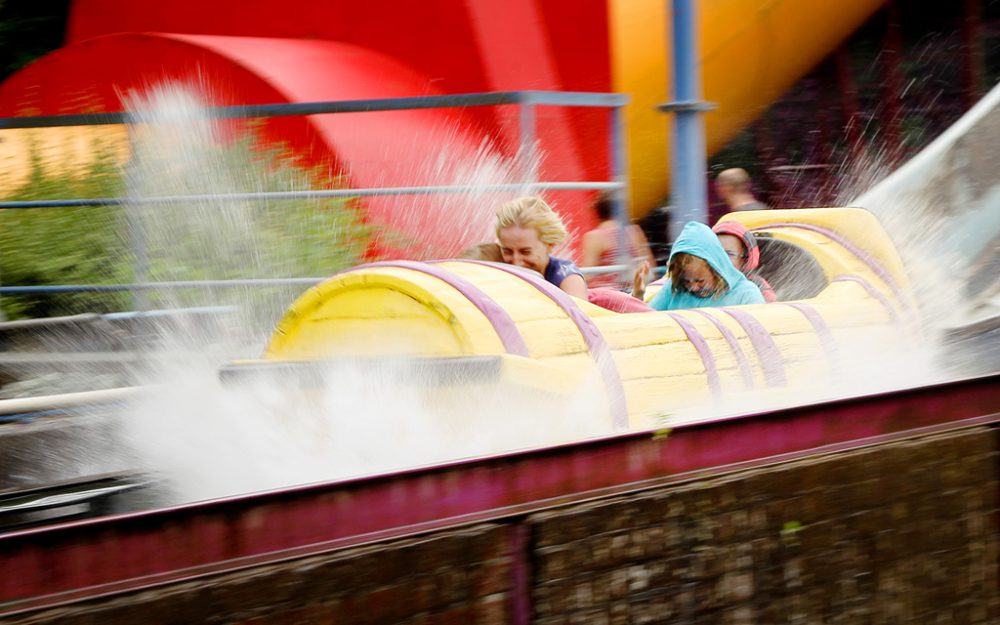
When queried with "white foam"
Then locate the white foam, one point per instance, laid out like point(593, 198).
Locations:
point(210, 441)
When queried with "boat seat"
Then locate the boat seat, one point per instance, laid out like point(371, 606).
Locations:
point(792, 271)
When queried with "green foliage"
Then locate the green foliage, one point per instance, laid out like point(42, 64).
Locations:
point(63, 245)
point(180, 241)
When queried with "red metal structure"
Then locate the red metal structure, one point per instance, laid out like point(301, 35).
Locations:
point(250, 53)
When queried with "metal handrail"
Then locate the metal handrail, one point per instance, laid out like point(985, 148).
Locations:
point(316, 193)
point(545, 98)
point(528, 99)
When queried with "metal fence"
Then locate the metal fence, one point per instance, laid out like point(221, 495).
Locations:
point(527, 101)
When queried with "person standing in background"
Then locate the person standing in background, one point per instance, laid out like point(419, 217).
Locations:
point(733, 187)
point(602, 247)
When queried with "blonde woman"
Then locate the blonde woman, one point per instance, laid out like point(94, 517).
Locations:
point(528, 230)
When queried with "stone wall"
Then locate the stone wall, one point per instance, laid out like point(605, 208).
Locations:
point(900, 533)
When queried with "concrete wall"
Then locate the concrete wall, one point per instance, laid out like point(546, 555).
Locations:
point(900, 533)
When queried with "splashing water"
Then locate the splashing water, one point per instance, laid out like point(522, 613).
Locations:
point(365, 419)
point(942, 210)
point(459, 220)
point(179, 151)
point(209, 440)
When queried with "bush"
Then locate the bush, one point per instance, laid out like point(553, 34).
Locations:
point(181, 241)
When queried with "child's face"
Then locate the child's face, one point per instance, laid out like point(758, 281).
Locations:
point(698, 279)
point(734, 249)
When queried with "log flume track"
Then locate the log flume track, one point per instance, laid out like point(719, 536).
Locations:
point(67, 563)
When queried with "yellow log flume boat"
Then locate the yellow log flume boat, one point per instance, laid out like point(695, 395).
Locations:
point(838, 277)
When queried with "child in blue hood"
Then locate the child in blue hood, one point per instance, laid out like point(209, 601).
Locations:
point(700, 274)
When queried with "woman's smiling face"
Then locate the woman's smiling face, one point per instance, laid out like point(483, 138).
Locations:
point(522, 247)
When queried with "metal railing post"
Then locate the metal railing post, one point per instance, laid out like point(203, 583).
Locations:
point(527, 148)
point(619, 197)
point(135, 224)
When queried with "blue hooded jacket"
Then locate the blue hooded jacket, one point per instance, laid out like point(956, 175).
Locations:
point(698, 240)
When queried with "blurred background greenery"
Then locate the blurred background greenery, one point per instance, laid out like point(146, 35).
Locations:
point(274, 239)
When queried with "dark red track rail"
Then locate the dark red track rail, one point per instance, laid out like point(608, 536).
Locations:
point(56, 564)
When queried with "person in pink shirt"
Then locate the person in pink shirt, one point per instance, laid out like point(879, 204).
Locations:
point(602, 244)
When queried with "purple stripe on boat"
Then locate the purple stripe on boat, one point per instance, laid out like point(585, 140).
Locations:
point(504, 326)
point(823, 331)
point(873, 264)
point(598, 347)
point(704, 351)
point(875, 293)
point(734, 344)
point(768, 353)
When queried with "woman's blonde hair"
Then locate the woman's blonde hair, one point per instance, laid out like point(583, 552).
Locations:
point(532, 212)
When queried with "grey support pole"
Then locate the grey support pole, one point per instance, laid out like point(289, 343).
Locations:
point(687, 158)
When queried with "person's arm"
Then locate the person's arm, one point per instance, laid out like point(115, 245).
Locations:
point(593, 247)
point(640, 243)
point(765, 289)
point(575, 285)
